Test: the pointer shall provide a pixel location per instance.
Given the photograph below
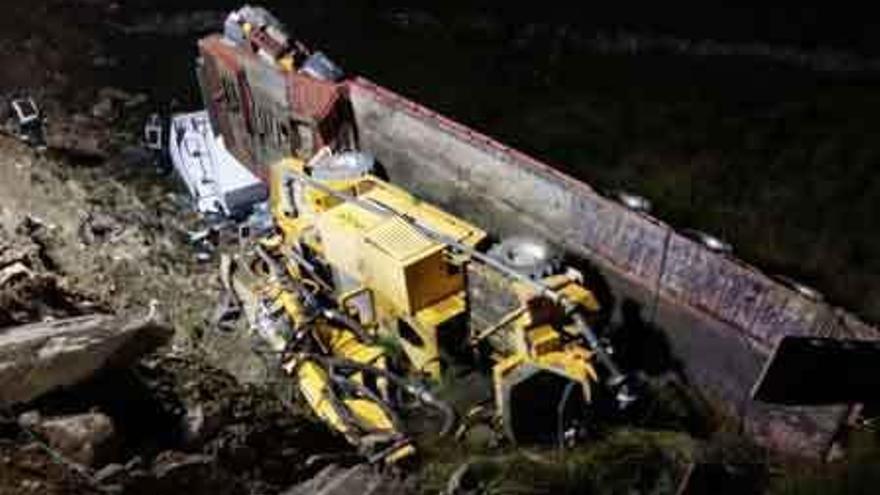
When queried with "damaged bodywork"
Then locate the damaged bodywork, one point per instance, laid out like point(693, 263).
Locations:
point(217, 182)
point(269, 108)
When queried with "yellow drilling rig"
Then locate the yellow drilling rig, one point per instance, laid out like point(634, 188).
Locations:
point(366, 296)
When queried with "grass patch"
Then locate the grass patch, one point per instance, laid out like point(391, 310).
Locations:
point(624, 462)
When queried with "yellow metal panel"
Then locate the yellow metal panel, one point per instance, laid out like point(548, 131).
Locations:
point(500, 371)
point(580, 295)
point(313, 383)
point(421, 349)
point(443, 310)
point(400, 241)
point(431, 279)
point(544, 339)
point(351, 217)
point(344, 343)
point(402, 452)
point(401, 264)
point(433, 217)
point(421, 278)
point(386, 277)
point(369, 415)
point(341, 230)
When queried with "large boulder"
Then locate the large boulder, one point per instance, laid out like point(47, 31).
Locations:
point(83, 136)
point(41, 357)
point(89, 439)
point(361, 479)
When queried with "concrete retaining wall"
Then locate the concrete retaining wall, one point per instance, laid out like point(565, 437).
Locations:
point(722, 316)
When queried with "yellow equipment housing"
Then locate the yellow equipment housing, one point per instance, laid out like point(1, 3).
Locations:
point(388, 274)
point(396, 281)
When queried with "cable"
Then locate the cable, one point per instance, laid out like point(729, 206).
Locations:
point(349, 323)
point(365, 391)
point(418, 391)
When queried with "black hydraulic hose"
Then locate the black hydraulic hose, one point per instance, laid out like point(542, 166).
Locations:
point(363, 390)
point(418, 391)
point(349, 323)
point(275, 268)
point(330, 313)
point(308, 267)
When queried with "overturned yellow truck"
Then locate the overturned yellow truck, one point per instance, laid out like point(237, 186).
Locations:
point(359, 268)
point(381, 279)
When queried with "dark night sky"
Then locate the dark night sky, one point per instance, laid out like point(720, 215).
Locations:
point(832, 25)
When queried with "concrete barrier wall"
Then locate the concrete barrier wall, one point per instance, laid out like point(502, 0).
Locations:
point(722, 316)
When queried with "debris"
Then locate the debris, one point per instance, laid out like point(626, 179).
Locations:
point(26, 111)
point(30, 289)
point(209, 235)
point(37, 297)
point(110, 474)
point(194, 424)
point(228, 311)
point(319, 66)
point(462, 481)
point(218, 183)
point(104, 109)
point(79, 137)
point(203, 257)
point(88, 439)
point(258, 223)
point(99, 227)
point(40, 357)
point(27, 124)
point(153, 133)
point(14, 271)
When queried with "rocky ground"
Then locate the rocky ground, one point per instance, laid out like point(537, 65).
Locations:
point(89, 226)
point(86, 235)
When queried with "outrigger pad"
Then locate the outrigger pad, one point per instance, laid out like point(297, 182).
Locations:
point(820, 371)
